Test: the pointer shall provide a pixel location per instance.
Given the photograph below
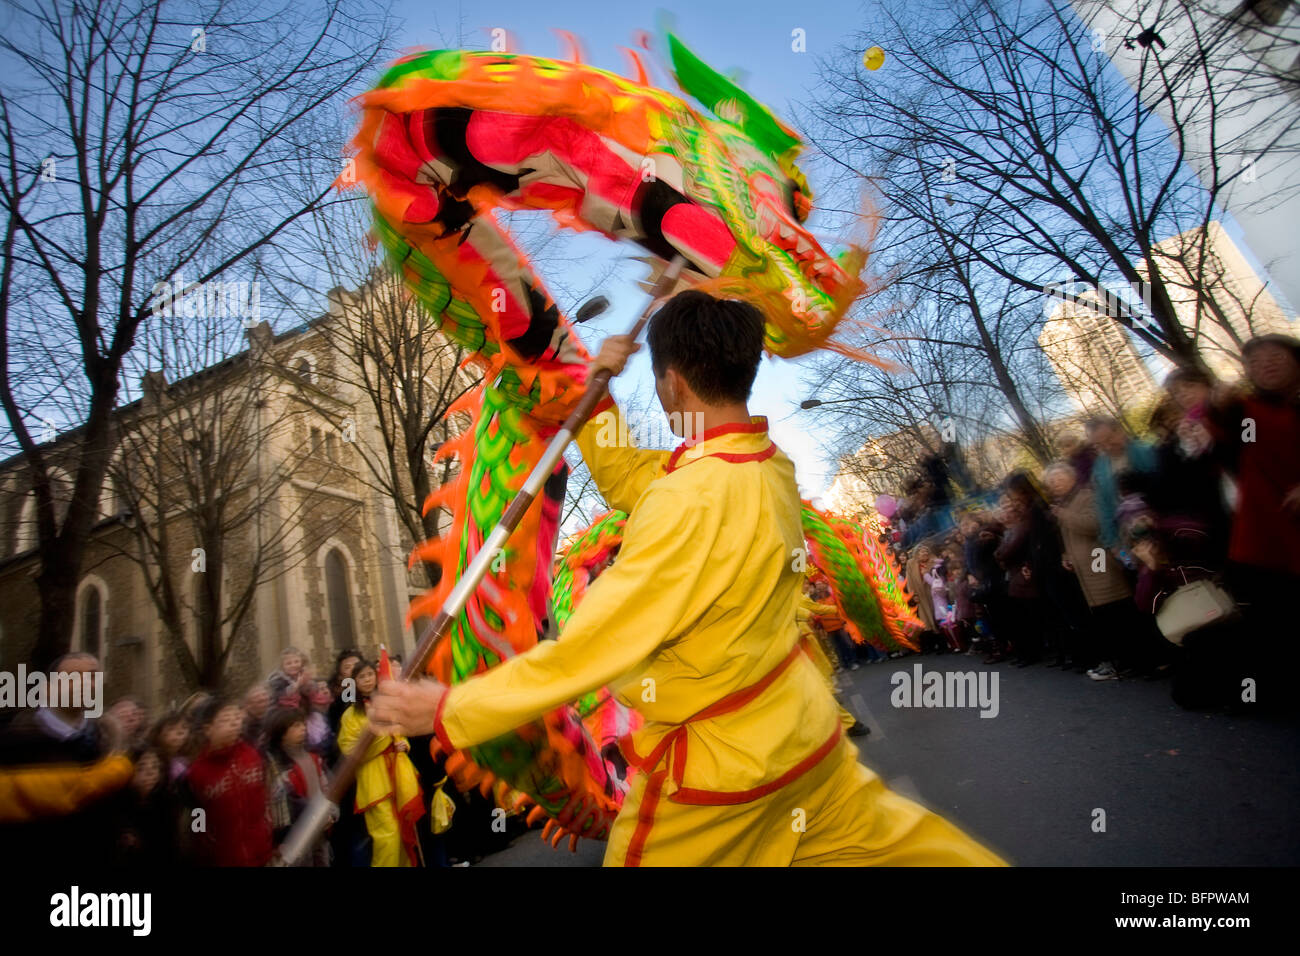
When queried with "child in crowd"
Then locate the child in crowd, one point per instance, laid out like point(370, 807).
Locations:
point(299, 776)
point(320, 737)
point(147, 819)
point(257, 702)
point(960, 623)
point(228, 782)
point(292, 675)
point(170, 737)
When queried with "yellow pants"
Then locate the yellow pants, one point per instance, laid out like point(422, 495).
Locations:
point(837, 814)
point(385, 836)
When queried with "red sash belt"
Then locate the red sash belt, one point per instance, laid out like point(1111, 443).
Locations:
point(674, 745)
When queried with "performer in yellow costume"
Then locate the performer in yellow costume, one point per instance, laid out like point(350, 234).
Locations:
point(388, 790)
point(742, 756)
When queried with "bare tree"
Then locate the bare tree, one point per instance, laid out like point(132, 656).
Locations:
point(963, 374)
point(1052, 169)
point(141, 143)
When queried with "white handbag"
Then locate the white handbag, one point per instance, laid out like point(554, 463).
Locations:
point(1192, 607)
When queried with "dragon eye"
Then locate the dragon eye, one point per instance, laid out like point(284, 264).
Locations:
point(802, 204)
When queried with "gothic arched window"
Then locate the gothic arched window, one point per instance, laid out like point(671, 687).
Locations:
point(338, 595)
point(92, 619)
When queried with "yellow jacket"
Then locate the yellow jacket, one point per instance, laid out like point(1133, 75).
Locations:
point(386, 772)
point(59, 790)
point(700, 605)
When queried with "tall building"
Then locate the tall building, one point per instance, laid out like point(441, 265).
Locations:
point(312, 540)
point(1219, 298)
point(1234, 71)
point(1094, 358)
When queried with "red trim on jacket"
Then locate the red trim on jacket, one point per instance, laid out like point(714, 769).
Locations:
point(645, 818)
point(758, 426)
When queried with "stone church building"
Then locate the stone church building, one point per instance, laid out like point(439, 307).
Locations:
point(321, 529)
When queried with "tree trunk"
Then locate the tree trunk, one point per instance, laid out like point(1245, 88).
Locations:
point(57, 588)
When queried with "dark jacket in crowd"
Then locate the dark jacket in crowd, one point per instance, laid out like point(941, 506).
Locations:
point(85, 838)
point(1033, 543)
point(980, 552)
point(1189, 489)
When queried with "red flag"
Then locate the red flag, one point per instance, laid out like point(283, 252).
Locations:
point(385, 665)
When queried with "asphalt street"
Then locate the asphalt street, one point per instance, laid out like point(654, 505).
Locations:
point(1177, 787)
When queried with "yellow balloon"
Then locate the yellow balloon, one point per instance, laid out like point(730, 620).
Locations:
point(874, 58)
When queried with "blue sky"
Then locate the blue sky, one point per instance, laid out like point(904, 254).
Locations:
point(753, 37)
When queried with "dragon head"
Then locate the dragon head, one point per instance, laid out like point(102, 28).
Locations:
point(744, 167)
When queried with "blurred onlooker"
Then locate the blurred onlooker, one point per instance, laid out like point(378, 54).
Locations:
point(257, 702)
point(170, 737)
point(320, 737)
point(1080, 453)
point(343, 666)
point(919, 567)
point(959, 625)
point(1117, 452)
point(299, 777)
point(228, 781)
point(292, 675)
point(57, 746)
point(1104, 584)
point(132, 718)
point(348, 838)
point(1188, 484)
point(1031, 554)
point(937, 580)
point(1260, 432)
point(986, 578)
point(148, 822)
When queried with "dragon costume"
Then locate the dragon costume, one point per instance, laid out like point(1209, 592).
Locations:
point(865, 583)
point(447, 140)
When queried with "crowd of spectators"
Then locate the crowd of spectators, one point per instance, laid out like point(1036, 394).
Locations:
point(220, 781)
point(1071, 565)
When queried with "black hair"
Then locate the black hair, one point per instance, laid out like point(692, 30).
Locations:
point(1188, 374)
point(363, 664)
point(1020, 484)
point(714, 344)
point(337, 680)
point(1290, 343)
point(214, 706)
point(169, 719)
point(277, 725)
